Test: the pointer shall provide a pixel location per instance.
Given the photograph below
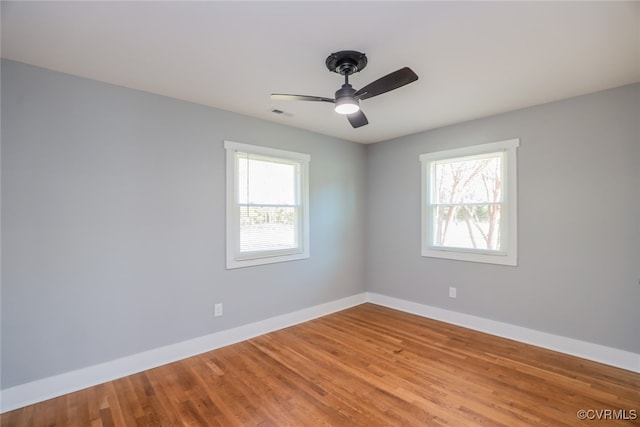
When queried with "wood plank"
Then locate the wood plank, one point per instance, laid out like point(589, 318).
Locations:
point(365, 366)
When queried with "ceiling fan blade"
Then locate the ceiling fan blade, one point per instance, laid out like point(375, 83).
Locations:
point(288, 97)
point(357, 119)
point(392, 81)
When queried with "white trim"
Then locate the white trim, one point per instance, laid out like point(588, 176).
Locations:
point(472, 150)
point(48, 388)
point(586, 350)
point(266, 151)
point(510, 214)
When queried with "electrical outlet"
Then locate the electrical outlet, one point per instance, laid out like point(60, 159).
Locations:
point(217, 310)
point(452, 292)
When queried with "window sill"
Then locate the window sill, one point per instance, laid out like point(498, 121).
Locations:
point(250, 262)
point(500, 259)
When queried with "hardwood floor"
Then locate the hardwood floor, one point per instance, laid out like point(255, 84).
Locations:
point(365, 366)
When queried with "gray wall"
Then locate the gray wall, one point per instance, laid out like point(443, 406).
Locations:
point(113, 223)
point(579, 221)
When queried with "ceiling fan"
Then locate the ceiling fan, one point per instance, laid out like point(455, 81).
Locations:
point(347, 99)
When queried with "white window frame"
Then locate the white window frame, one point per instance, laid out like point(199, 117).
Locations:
point(508, 254)
point(236, 259)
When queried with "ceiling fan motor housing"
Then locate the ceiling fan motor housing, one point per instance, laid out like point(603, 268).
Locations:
point(345, 100)
point(345, 91)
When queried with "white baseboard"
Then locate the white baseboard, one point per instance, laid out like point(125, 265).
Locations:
point(586, 350)
point(47, 388)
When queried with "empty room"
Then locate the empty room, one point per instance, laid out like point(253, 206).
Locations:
point(318, 213)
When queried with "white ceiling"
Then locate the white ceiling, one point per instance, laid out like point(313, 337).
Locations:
point(473, 59)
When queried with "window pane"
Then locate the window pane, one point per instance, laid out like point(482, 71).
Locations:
point(266, 182)
point(467, 227)
point(468, 180)
point(267, 228)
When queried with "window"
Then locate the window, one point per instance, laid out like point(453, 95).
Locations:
point(267, 205)
point(469, 204)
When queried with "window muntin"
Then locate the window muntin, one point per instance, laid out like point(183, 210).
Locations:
point(469, 203)
point(267, 205)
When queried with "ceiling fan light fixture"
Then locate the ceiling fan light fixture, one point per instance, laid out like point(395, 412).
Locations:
point(347, 105)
